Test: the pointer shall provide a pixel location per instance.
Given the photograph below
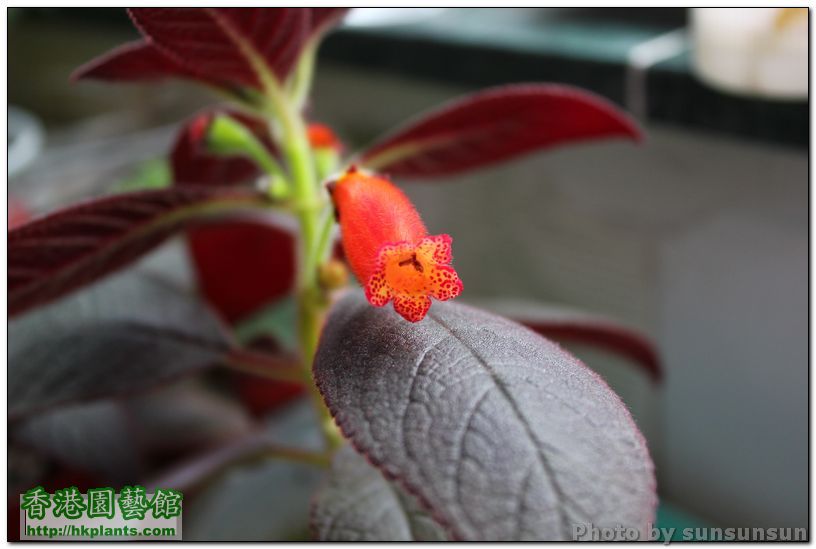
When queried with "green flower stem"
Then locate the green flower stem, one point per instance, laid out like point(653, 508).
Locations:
point(309, 204)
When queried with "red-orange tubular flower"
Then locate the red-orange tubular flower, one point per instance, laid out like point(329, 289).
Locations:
point(388, 247)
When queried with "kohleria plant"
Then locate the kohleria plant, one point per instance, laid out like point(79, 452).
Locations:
point(440, 421)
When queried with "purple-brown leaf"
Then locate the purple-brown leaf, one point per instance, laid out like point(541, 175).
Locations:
point(53, 255)
point(499, 433)
point(357, 503)
point(495, 125)
point(126, 334)
point(571, 326)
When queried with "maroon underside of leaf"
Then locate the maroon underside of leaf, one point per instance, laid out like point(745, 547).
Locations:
point(203, 44)
point(613, 338)
point(214, 41)
point(56, 254)
point(240, 266)
point(495, 125)
point(325, 18)
point(136, 61)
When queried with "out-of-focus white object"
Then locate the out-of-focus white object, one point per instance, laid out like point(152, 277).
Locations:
point(753, 51)
point(376, 17)
point(25, 139)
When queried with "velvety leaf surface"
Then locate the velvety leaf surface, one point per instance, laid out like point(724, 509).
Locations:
point(495, 125)
point(218, 42)
point(356, 503)
point(500, 433)
point(572, 326)
point(126, 334)
point(53, 255)
point(134, 61)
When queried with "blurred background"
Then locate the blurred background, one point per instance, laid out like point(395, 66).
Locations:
point(698, 237)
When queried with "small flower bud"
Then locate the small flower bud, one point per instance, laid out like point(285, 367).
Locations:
point(327, 148)
point(333, 274)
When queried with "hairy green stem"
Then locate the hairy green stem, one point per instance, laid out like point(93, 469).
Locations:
point(309, 204)
point(306, 197)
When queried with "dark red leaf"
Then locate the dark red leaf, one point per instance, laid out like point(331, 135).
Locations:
point(142, 60)
point(324, 18)
point(137, 61)
point(495, 125)
point(242, 266)
point(70, 248)
point(218, 42)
